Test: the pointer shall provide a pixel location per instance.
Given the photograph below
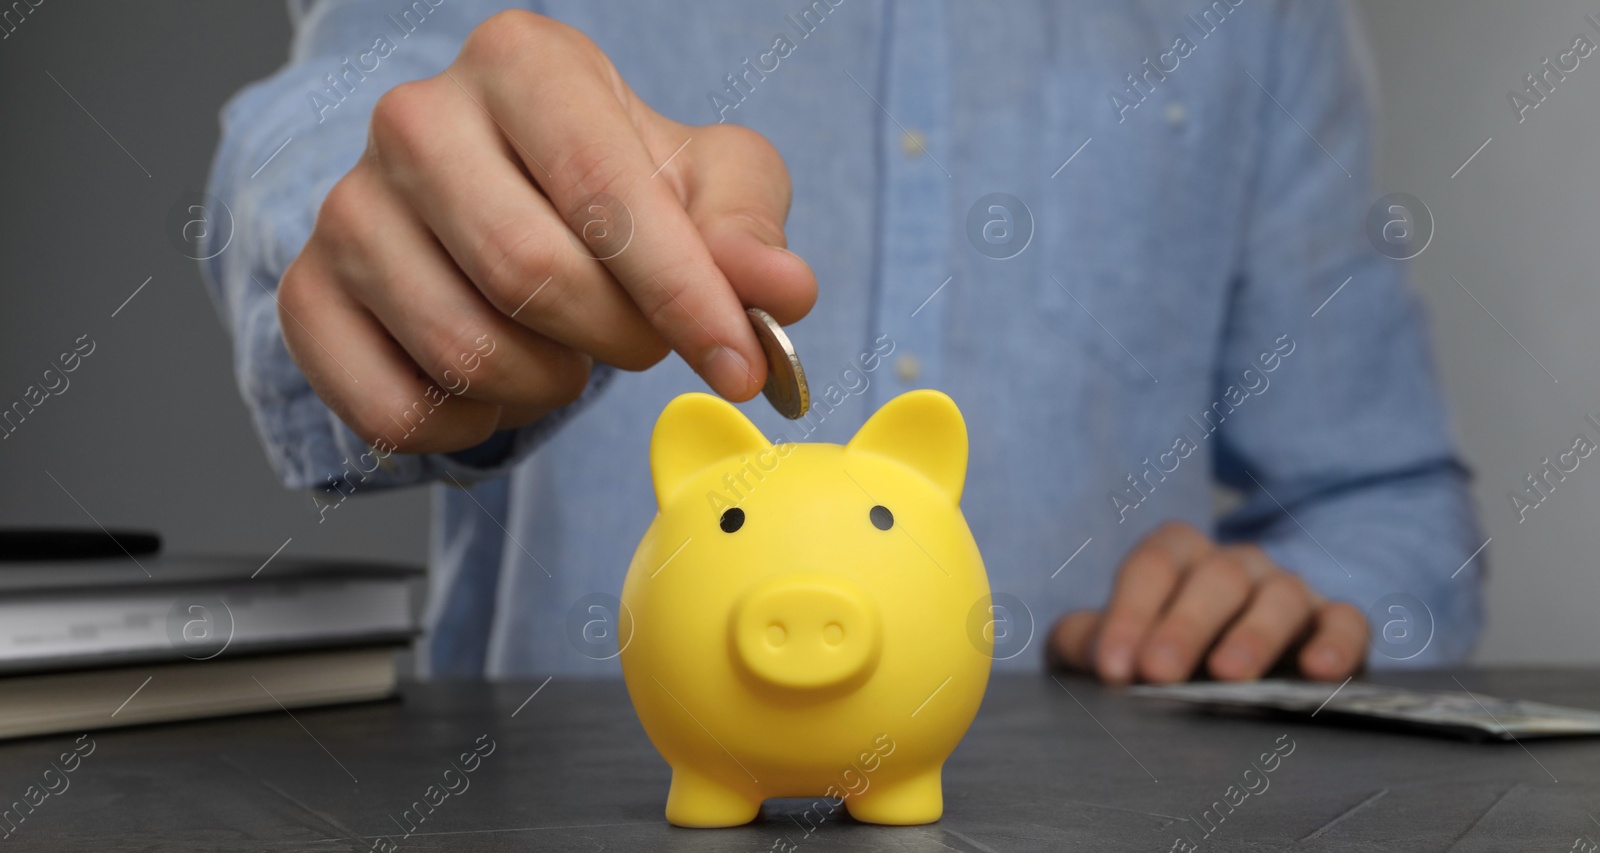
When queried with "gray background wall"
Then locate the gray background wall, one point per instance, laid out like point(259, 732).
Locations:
point(1517, 227)
point(151, 432)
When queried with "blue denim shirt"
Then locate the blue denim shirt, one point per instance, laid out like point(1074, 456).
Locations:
point(1126, 237)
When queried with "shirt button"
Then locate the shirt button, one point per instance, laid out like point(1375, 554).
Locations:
point(1176, 114)
point(907, 368)
point(912, 144)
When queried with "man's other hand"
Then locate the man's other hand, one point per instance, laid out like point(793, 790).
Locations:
point(1182, 601)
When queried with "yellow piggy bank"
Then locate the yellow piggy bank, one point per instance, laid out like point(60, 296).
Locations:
point(800, 613)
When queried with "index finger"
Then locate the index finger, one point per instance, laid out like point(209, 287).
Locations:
point(576, 133)
point(1145, 582)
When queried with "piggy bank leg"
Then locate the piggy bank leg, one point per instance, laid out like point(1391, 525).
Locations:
point(900, 802)
point(696, 800)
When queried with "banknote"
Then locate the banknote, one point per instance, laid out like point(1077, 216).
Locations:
point(1460, 712)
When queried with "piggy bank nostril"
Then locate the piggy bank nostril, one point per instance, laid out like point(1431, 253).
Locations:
point(833, 634)
point(776, 634)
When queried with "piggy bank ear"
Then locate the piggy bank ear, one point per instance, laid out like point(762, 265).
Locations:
point(694, 431)
point(924, 430)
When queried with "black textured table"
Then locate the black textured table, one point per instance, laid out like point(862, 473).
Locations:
point(1048, 765)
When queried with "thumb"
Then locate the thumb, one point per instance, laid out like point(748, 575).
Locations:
point(1071, 644)
point(738, 198)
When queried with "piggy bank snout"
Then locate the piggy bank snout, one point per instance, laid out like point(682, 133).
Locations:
point(807, 631)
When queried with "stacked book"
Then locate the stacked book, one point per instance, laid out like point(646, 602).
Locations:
point(90, 642)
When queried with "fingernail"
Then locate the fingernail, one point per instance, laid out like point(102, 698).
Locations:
point(1165, 660)
point(1235, 660)
point(727, 371)
point(1116, 660)
point(1326, 658)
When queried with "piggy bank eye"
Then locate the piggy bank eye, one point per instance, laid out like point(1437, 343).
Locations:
point(881, 517)
point(732, 520)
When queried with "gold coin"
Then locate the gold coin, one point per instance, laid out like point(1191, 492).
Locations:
point(786, 387)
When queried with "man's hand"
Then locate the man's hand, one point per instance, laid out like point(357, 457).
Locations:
point(1180, 599)
point(469, 239)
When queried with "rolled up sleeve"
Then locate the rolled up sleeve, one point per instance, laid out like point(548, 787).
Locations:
point(1350, 471)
